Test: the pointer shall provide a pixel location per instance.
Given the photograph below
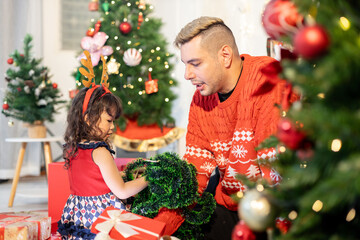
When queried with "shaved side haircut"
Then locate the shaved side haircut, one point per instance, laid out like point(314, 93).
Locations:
point(213, 32)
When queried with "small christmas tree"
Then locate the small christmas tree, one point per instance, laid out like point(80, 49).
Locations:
point(319, 139)
point(138, 62)
point(30, 95)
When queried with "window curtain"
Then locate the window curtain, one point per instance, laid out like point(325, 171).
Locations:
point(18, 17)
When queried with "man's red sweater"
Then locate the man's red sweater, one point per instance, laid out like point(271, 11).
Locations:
point(225, 134)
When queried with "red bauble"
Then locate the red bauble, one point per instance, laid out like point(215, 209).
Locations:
point(90, 32)
point(54, 85)
point(310, 42)
point(125, 27)
point(93, 5)
point(283, 224)
point(281, 17)
point(10, 61)
point(242, 232)
point(289, 135)
point(5, 106)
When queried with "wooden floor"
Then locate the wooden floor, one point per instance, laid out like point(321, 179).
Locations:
point(31, 194)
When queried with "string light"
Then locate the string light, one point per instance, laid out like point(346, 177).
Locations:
point(303, 164)
point(240, 194)
point(321, 95)
point(139, 79)
point(116, 37)
point(167, 54)
point(293, 215)
point(166, 66)
point(157, 48)
point(260, 187)
point(112, 2)
point(166, 100)
point(128, 4)
point(124, 86)
point(150, 60)
point(283, 114)
point(140, 92)
point(152, 50)
point(171, 82)
point(114, 89)
point(118, 48)
point(317, 206)
point(129, 102)
point(351, 215)
point(146, 19)
point(344, 23)
point(282, 149)
point(336, 145)
point(150, 69)
point(129, 42)
point(157, 58)
point(92, 20)
point(140, 50)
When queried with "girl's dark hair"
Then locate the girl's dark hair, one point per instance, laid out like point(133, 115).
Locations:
point(78, 129)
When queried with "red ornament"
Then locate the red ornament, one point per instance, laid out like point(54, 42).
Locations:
point(73, 92)
point(19, 89)
point(151, 85)
point(311, 42)
point(283, 224)
point(22, 55)
point(125, 27)
point(94, 5)
point(281, 17)
point(10, 61)
point(97, 26)
point(242, 232)
point(289, 134)
point(140, 19)
point(90, 32)
point(5, 106)
point(54, 85)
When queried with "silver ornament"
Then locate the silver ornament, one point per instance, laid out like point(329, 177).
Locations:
point(256, 209)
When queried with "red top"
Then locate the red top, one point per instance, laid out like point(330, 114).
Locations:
point(84, 175)
point(225, 134)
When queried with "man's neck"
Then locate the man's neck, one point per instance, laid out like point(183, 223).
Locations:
point(224, 96)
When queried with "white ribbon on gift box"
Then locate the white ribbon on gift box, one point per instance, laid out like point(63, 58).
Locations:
point(117, 220)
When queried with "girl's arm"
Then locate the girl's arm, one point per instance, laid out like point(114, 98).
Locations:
point(102, 157)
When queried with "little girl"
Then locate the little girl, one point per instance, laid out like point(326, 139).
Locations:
point(95, 182)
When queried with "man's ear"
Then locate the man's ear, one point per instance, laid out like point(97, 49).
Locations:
point(226, 55)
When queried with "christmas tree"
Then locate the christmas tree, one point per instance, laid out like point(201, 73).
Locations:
point(137, 60)
point(30, 95)
point(319, 135)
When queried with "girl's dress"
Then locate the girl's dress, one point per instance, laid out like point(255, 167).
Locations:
point(89, 194)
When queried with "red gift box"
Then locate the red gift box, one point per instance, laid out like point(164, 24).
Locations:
point(25, 225)
point(121, 224)
point(58, 192)
point(59, 188)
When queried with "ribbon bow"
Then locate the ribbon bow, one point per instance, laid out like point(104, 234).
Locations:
point(117, 219)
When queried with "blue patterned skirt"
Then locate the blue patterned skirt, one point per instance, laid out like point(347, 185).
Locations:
point(80, 212)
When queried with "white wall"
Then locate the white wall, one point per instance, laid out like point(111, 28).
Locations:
point(242, 16)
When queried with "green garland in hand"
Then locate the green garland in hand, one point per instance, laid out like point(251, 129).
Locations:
point(172, 184)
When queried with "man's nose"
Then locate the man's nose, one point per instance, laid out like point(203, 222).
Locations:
point(189, 74)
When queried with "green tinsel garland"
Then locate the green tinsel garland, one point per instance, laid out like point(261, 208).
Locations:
point(172, 184)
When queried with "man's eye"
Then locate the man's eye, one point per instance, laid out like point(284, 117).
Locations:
point(196, 64)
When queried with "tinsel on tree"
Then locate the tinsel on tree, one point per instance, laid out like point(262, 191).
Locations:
point(319, 135)
point(138, 62)
point(30, 95)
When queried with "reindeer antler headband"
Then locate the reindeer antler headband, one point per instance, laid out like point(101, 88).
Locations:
point(90, 82)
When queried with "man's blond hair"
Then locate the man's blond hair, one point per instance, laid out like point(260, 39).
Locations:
point(213, 31)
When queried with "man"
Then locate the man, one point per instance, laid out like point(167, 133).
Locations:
point(229, 115)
